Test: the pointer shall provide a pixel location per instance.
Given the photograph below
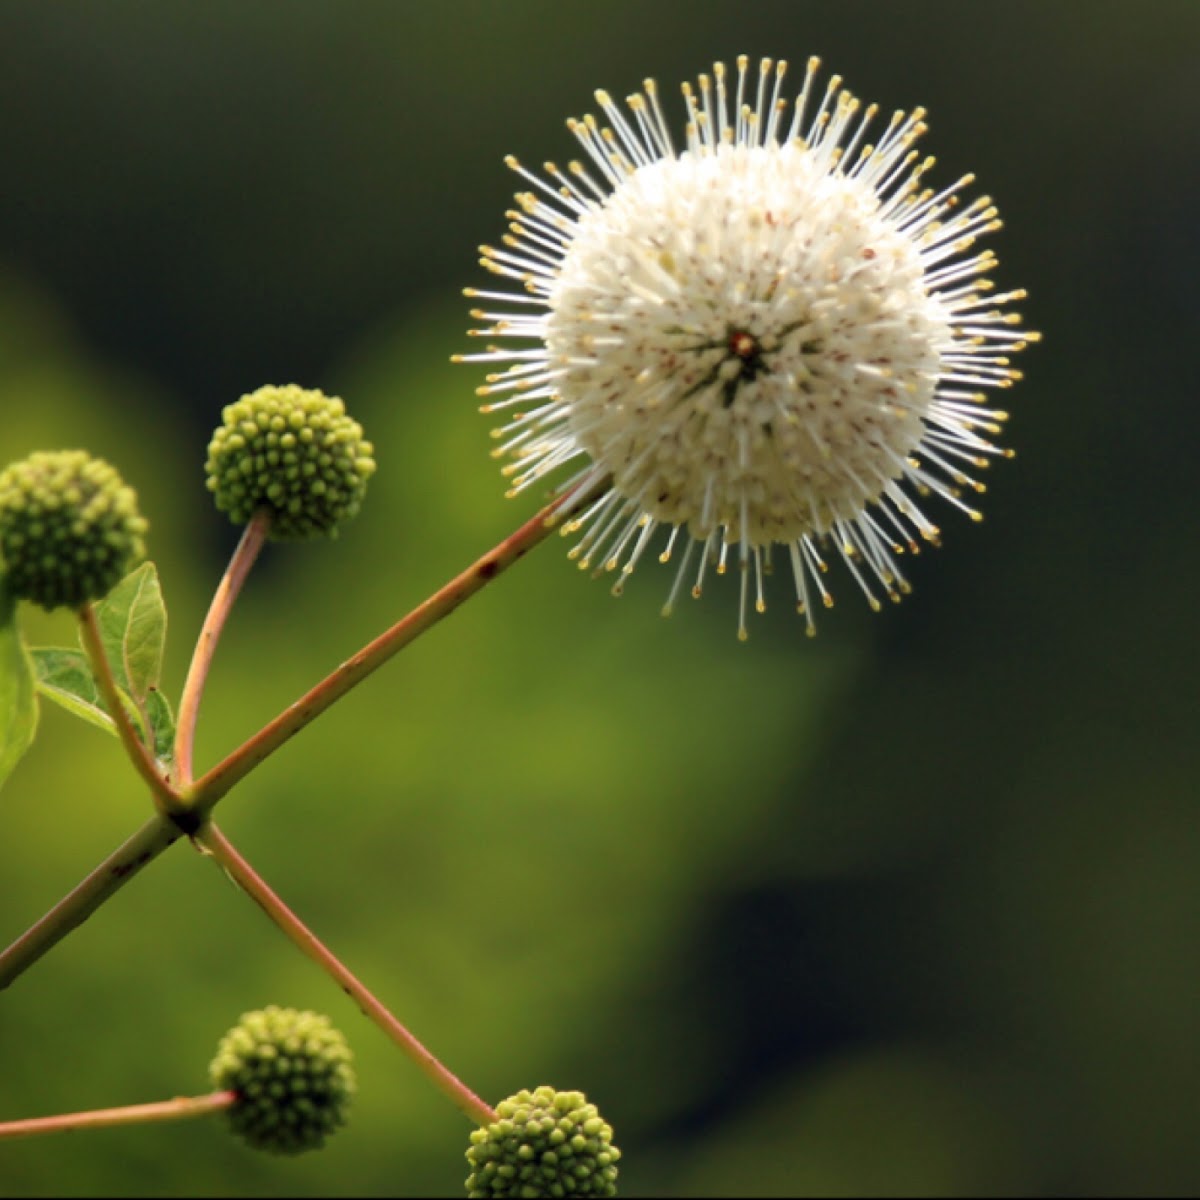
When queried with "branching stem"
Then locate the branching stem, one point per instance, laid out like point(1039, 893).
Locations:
point(213, 785)
point(74, 908)
point(176, 1109)
point(185, 813)
point(219, 846)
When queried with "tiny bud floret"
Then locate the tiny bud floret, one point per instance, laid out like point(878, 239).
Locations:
point(69, 528)
point(293, 1077)
point(293, 452)
point(543, 1143)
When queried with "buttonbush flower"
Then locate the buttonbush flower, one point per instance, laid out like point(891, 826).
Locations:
point(292, 1072)
point(69, 528)
point(543, 1143)
point(294, 452)
point(772, 344)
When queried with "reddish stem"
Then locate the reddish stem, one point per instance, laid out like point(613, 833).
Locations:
point(252, 539)
point(214, 841)
point(216, 782)
point(77, 905)
point(165, 797)
point(176, 1109)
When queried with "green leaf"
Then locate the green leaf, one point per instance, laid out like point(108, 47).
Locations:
point(133, 624)
point(133, 628)
point(18, 700)
point(65, 676)
point(162, 725)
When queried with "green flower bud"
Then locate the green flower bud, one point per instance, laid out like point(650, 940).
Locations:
point(543, 1143)
point(293, 1077)
point(293, 452)
point(69, 528)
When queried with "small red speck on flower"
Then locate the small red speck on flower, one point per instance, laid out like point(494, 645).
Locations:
point(742, 344)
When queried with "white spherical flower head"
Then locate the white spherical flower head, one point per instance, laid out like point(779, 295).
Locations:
point(775, 338)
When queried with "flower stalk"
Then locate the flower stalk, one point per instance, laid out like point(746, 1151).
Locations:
point(217, 782)
point(244, 557)
point(74, 908)
point(166, 799)
point(211, 838)
point(177, 1109)
point(196, 801)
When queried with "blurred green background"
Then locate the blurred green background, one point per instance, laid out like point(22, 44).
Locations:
point(910, 909)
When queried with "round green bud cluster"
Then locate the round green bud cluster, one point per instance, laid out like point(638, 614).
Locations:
point(292, 1073)
point(293, 452)
point(544, 1143)
point(69, 528)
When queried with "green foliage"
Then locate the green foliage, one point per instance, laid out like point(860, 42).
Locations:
point(133, 628)
point(18, 705)
point(132, 621)
point(64, 675)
